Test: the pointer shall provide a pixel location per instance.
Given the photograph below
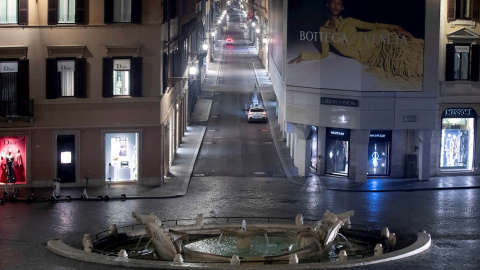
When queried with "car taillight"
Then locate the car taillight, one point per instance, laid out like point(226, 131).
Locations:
point(264, 113)
point(249, 113)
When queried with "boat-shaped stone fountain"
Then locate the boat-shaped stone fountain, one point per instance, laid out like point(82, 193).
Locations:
point(328, 242)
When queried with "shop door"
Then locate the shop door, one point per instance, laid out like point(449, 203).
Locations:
point(66, 158)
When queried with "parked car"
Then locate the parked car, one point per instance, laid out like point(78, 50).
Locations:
point(257, 113)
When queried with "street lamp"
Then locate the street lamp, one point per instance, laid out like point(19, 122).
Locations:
point(205, 46)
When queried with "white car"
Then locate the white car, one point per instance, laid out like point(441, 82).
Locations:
point(257, 113)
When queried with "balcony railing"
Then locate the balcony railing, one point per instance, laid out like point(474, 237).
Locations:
point(21, 109)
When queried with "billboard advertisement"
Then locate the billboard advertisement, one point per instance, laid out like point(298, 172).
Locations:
point(359, 45)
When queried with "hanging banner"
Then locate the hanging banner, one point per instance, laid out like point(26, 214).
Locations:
point(362, 45)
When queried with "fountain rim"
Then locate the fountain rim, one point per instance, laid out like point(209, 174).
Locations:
point(56, 246)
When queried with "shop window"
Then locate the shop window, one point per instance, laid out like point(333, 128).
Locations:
point(66, 77)
point(463, 10)
point(66, 11)
point(337, 151)
point(314, 147)
point(457, 141)
point(14, 88)
point(462, 62)
point(123, 11)
point(13, 160)
point(379, 152)
point(122, 77)
point(121, 156)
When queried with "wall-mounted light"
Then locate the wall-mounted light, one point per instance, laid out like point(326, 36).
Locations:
point(205, 46)
point(265, 39)
point(213, 34)
point(219, 21)
point(253, 24)
point(192, 70)
point(257, 30)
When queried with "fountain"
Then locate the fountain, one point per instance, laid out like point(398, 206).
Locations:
point(203, 243)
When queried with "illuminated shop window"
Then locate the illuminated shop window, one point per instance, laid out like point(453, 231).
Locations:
point(122, 10)
point(337, 151)
point(66, 70)
point(121, 156)
point(66, 11)
point(66, 157)
point(457, 142)
point(8, 11)
point(121, 77)
point(379, 152)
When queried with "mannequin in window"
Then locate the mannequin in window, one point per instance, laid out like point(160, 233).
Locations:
point(19, 168)
point(10, 173)
point(3, 166)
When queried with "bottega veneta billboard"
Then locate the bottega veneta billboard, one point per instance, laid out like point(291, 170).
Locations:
point(359, 45)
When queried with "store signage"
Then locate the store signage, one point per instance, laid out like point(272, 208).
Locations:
point(8, 67)
point(339, 102)
point(462, 49)
point(377, 135)
point(338, 133)
point(410, 118)
point(121, 64)
point(458, 112)
point(63, 66)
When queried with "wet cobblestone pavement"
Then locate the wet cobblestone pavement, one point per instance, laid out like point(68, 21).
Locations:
point(450, 216)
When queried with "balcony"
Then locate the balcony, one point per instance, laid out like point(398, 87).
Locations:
point(16, 110)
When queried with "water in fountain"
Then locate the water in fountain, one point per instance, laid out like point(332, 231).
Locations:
point(266, 239)
point(346, 240)
point(139, 240)
point(219, 239)
point(146, 246)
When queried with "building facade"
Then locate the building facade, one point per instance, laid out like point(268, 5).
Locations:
point(95, 89)
point(359, 104)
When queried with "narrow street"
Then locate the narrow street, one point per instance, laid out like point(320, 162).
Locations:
point(232, 146)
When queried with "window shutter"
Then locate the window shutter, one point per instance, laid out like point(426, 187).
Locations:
point(108, 16)
point(136, 11)
point(81, 78)
point(136, 79)
point(107, 90)
point(80, 12)
point(52, 77)
point(475, 63)
point(52, 12)
point(23, 87)
point(475, 10)
point(23, 12)
point(451, 10)
point(449, 62)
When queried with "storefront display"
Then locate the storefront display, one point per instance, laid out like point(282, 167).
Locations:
point(121, 156)
point(457, 149)
point(314, 148)
point(379, 152)
point(13, 162)
point(337, 151)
